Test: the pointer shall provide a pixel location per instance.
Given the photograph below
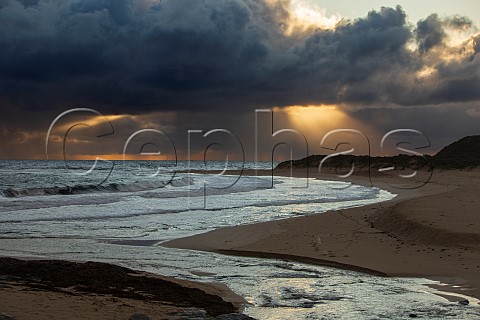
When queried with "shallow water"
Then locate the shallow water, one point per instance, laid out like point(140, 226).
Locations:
point(86, 225)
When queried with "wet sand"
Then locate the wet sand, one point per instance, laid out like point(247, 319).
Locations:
point(53, 289)
point(430, 232)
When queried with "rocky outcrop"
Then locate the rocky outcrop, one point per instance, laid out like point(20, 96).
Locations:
point(4, 316)
point(112, 280)
point(233, 316)
point(139, 316)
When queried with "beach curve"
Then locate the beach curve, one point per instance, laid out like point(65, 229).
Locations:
point(419, 233)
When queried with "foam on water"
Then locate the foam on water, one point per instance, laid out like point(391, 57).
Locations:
point(135, 207)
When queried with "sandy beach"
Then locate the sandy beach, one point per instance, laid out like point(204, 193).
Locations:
point(54, 289)
point(430, 232)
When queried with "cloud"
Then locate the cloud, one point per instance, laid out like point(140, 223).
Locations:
point(476, 47)
point(433, 31)
point(139, 56)
point(430, 33)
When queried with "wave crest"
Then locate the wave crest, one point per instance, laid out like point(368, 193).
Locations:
point(82, 189)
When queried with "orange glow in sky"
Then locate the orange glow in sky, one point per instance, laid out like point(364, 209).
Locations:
point(314, 116)
point(118, 156)
point(316, 121)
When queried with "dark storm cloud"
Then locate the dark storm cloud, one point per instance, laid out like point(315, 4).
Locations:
point(441, 125)
point(342, 62)
point(135, 56)
point(113, 52)
point(459, 22)
point(430, 33)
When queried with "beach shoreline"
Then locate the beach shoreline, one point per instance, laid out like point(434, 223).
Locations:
point(428, 232)
point(33, 288)
point(407, 236)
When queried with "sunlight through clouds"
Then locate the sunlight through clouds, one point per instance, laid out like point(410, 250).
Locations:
point(304, 16)
point(308, 15)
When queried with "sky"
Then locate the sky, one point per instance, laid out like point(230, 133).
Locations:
point(415, 10)
point(151, 79)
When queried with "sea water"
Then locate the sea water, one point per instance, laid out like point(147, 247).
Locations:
point(79, 210)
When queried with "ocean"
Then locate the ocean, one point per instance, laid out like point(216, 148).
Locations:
point(118, 212)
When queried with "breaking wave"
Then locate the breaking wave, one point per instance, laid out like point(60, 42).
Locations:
point(83, 189)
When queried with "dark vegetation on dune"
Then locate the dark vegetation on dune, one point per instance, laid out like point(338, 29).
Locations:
point(462, 154)
point(106, 279)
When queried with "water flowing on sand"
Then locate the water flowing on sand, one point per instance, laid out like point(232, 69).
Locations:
point(120, 215)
